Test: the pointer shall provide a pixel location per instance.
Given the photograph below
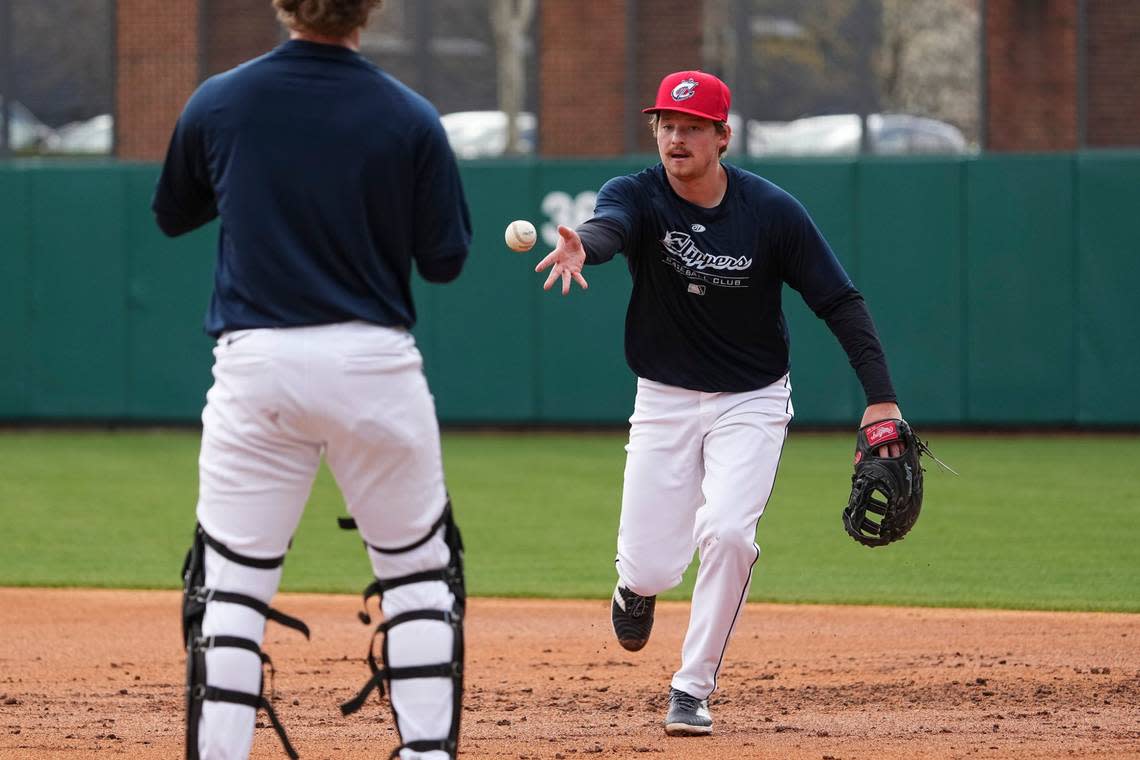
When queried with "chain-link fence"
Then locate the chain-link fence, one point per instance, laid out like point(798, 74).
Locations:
point(808, 76)
point(464, 58)
point(56, 76)
point(848, 76)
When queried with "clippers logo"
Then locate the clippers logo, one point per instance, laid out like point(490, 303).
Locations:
point(682, 247)
point(685, 90)
point(689, 261)
point(884, 431)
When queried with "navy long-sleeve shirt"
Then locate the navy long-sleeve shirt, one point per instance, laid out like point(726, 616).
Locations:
point(705, 311)
point(330, 178)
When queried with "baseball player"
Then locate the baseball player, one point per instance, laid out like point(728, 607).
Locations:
point(708, 246)
point(331, 179)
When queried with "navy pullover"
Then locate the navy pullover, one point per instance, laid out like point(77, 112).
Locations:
point(330, 178)
point(705, 311)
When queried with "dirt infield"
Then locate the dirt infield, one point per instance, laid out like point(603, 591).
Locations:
point(87, 673)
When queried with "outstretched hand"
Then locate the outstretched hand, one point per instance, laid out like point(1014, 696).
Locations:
point(565, 261)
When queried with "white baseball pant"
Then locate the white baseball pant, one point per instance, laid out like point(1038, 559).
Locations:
point(699, 471)
point(281, 397)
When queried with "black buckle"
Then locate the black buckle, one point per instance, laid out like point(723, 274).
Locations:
point(201, 594)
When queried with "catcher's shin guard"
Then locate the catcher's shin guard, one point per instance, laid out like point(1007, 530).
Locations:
point(196, 598)
point(444, 530)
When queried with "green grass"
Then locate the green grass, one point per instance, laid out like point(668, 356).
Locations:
point(1034, 522)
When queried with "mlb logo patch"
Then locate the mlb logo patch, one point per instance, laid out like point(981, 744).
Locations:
point(696, 289)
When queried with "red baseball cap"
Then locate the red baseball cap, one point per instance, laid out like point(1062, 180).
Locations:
point(693, 92)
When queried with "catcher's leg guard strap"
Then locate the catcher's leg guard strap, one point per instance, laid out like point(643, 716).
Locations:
point(196, 597)
point(445, 519)
point(452, 575)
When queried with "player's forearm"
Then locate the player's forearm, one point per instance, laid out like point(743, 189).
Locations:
point(601, 239)
point(850, 322)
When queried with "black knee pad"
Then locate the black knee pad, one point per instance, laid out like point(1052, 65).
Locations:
point(195, 597)
point(453, 576)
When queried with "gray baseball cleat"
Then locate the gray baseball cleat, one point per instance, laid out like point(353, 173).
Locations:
point(688, 716)
point(632, 616)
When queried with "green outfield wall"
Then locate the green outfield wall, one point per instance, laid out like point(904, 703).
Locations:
point(1003, 288)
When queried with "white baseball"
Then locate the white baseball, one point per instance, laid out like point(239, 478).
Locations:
point(521, 235)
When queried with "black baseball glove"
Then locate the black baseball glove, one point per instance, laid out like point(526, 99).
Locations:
point(889, 487)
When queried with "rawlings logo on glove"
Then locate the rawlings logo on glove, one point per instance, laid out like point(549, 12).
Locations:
point(887, 487)
point(882, 432)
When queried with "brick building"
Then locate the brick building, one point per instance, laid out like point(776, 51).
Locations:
point(1061, 74)
point(165, 49)
point(593, 54)
point(1058, 74)
point(594, 57)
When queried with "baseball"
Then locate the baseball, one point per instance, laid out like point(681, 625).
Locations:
point(521, 235)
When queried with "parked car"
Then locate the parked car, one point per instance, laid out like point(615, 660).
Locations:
point(483, 134)
point(840, 134)
point(94, 135)
point(25, 131)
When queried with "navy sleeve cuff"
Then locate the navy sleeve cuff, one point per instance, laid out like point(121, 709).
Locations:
point(442, 268)
point(600, 239)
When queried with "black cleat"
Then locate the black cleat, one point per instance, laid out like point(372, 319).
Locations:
point(688, 716)
point(632, 617)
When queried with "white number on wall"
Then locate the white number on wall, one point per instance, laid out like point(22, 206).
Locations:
point(562, 208)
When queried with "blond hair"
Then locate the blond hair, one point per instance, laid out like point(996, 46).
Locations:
point(329, 18)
